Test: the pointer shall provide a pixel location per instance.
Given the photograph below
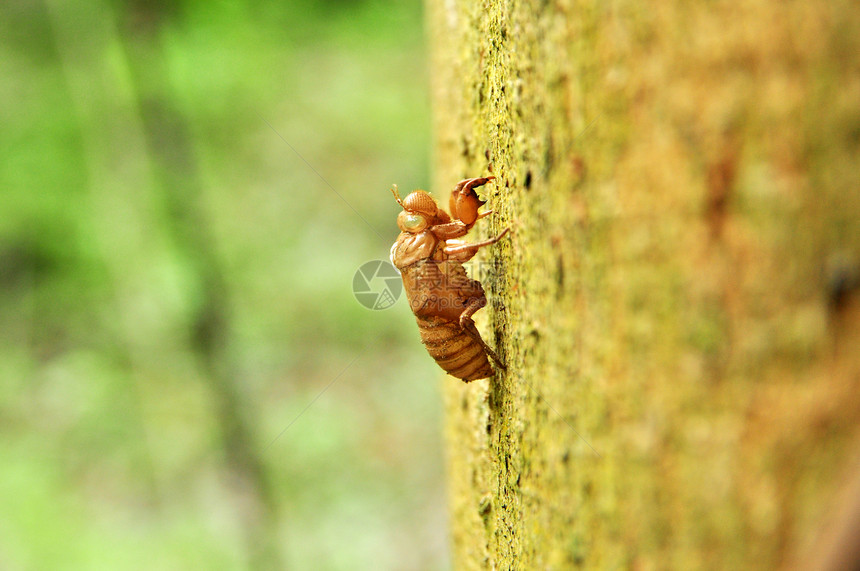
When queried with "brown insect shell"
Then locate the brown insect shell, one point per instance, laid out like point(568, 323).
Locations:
point(464, 206)
point(421, 202)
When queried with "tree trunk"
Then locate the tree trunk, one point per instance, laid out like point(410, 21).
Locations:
point(678, 301)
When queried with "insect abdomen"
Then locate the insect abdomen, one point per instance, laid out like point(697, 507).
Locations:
point(454, 350)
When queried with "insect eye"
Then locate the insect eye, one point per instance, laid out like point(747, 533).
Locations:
point(411, 222)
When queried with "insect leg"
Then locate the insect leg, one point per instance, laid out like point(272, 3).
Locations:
point(471, 249)
point(468, 184)
point(468, 325)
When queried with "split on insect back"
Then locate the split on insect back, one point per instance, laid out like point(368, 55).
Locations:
point(443, 298)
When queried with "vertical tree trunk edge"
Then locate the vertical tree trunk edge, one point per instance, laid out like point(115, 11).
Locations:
point(678, 301)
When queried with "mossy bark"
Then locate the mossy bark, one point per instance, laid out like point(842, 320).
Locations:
point(677, 303)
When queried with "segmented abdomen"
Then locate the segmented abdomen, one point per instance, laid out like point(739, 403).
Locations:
point(454, 350)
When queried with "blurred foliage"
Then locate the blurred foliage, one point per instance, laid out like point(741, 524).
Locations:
point(186, 381)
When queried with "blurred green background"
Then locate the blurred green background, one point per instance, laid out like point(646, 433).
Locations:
point(176, 265)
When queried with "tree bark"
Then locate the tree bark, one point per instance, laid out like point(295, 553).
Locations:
point(678, 301)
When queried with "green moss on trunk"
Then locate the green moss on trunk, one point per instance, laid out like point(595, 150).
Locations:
point(682, 187)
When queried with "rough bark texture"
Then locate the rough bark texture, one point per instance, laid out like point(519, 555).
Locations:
point(678, 303)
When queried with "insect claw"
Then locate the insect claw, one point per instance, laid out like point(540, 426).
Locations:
point(473, 182)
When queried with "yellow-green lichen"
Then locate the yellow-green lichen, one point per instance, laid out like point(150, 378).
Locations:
point(677, 394)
